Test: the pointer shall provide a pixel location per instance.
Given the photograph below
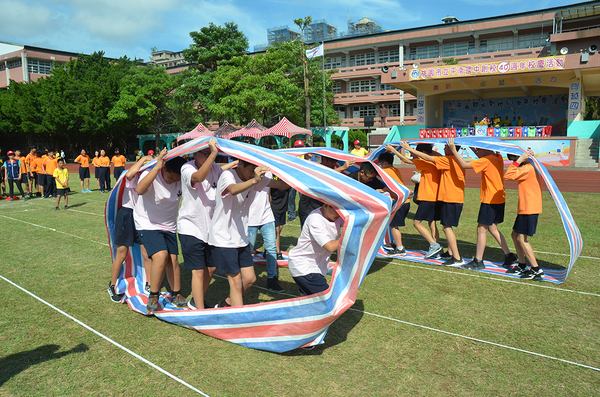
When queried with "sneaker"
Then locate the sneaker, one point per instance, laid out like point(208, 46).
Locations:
point(509, 260)
point(88, 191)
point(179, 301)
point(516, 270)
point(397, 251)
point(434, 248)
point(11, 199)
point(191, 304)
point(147, 289)
point(223, 303)
point(113, 294)
point(291, 219)
point(273, 285)
point(83, 191)
point(279, 256)
point(152, 305)
point(66, 207)
point(24, 198)
point(389, 247)
point(533, 274)
point(56, 209)
point(453, 262)
point(43, 197)
point(475, 264)
point(445, 255)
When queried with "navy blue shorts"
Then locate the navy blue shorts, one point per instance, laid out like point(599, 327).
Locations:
point(97, 172)
point(24, 178)
point(490, 214)
point(84, 172)
point(526, 224)
point(125, 233)
point(42, 180)
point(279, 219)
point(62, 192)
point(158, 240)
point(118, 171)
point(34, 176)
point(312, 283)
point(196, 253)
point(231, 260)
point(429, 211)
point(400, 215)
point(451, 214)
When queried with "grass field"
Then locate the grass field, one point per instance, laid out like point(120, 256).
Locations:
point(414, 329)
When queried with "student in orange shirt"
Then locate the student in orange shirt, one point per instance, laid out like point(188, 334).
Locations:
point(119, 161)
point(32, 173)
point(429, 209)
point(491, 210)
point(529, 208)
point(84, 171)
point(103, 163)
point(386, 161)
point(39, 172)
point(48, 166)
point(97, 171)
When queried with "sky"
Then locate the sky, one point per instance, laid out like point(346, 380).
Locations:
point(132, 27)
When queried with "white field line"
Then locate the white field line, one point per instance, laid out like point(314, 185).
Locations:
point(106, 338)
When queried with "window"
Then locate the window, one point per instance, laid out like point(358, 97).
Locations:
point(14, 64)
point(335, 62)
point(389, 56)
point(362, 111)
point(363, 85)
point(499, 44)
point(337, 87)
point(38, 66)
point(341, 111)
point(362, 59)
point(455, 49)
point(409, 108)
point(393, 109)
point(533, 40)
point(387, 87)
point(432, 51)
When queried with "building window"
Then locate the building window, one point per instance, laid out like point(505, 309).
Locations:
point(341, 111)
point(362, 59)
point(335, 62)
point(362, 111)
point(432, 51)
point(363, 85)
point(393, 109)
point(456, 49)
point(533, 40)
point(337, 87)
point(387, 87)
point(389, 56)
point(409, 108)
point(499, 44)
point(14, 64)
point(38, 66)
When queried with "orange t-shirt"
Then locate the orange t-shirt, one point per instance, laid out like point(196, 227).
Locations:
point(452, 182)
point(37, 165)
point(83, 160)
point(103, 161)
point(50, 165)
point(118, 161)
point(530, 192)
point(29, 159)
point(395, 173)
point(22, 166)
point(492, 184)
point(430, 180)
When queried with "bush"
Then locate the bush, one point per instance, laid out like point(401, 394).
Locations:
point(354, 135)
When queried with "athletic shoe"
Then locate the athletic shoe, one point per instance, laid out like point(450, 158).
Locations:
point(533, 274)
point(223, 303)
point(43, 197)
point(88, 191)
point(389, 247)
point(11, 199)
point(445, 255)
point(509, 260)
point(279, 256)
point(113, 294)
point(179, 301)
point(434, 248)
point(191, 304)
point(290, 219)
point(83, 191)
point(152, 305)
point(453, 262)
point(66, 207)
point(273, 285)
point(516, 270)
point(397, 251)
point(56, 209)
point(475, 264)
point(24, 198)
point(147, 289)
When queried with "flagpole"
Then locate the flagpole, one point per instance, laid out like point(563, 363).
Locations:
point(324, 111)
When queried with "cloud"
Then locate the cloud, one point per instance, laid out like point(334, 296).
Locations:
point(24, 20)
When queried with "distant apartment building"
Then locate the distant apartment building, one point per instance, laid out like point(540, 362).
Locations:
point(173, 61)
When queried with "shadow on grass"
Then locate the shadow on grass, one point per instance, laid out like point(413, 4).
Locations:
point(16, 363)
point(77, 205)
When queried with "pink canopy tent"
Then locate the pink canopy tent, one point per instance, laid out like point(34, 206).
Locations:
point(225, 130)
point(197, 132)
point(284, 128)
point(253, 129)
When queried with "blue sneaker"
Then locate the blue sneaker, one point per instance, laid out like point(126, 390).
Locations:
point(434, 248)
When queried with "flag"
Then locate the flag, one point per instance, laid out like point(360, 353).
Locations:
point(315, 52)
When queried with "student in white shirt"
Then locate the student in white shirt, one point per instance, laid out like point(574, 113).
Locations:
point(309, 260)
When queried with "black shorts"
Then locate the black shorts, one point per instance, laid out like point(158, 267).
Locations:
point(24, 178)
point(526, 224)
point(196, 253)
point(400, 215)
point(159, 240)
point(97, 172)
point(84, 172)
point(42, 179)
point(62, 192)
point(312, 283)
point(451, 214)
point(279, 219)
point(231, 260)
point(429, 211)
point(125, 233)
point(490, 214)
point(118, 171)
point(34, 176)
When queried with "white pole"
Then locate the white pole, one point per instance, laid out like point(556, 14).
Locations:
point(324, 106)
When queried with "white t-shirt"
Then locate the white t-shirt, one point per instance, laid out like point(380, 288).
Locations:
point(309, 256)
point(130, 196)
point(229, 224)
point(197, 201)
point(157, 208)
point(260, 209)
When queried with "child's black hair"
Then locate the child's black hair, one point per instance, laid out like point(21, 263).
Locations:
point(367, 168)
point(425, 148)
point(386, 157)
point(174, 165)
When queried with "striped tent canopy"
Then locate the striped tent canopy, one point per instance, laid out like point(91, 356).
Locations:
point(280, 325)
point(224, 130)
point(253, 129)
point(285, 128)
point(197, 132)
point(574, 238)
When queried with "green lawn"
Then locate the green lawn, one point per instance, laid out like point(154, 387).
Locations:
point(380, 347)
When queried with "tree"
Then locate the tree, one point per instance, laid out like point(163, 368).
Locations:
point(302, 24)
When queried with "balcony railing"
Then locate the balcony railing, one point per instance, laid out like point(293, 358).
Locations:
point(395, 120)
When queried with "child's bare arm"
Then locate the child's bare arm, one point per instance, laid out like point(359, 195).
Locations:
point(332, 246)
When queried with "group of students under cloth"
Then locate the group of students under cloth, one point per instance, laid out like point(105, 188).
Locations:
point(223, 207)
